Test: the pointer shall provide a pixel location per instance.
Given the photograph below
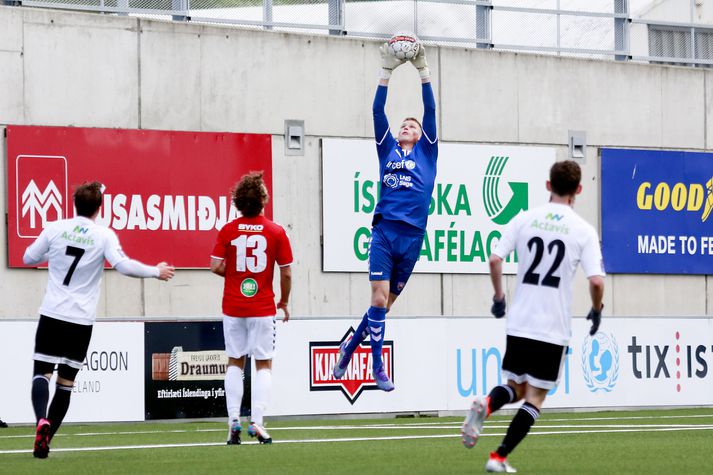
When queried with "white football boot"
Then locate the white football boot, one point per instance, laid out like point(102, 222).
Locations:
point(473, 424)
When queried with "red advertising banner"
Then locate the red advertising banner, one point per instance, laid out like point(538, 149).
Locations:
point(166, 193)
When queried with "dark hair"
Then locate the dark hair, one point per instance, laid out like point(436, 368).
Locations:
point(88, 198)
point(250, 195)
point(415, 120)
point(565, 177)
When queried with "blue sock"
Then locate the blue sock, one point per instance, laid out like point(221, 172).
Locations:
point(377, 329)
point(359, 335)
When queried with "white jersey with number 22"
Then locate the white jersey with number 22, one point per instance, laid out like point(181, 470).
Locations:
point(550, 241)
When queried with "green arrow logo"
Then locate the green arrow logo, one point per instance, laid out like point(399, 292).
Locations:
point(491, 183)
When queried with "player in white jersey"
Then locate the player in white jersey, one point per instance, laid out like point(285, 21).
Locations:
point(550, 242)
point(75, 250)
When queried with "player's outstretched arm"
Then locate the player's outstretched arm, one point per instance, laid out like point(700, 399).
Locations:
point(285, 289)
point(420, 63)
point(165, 271)
point(382, 134)
point(133, 268)
point(429, 101)
point(37, 252)
point(389, 62)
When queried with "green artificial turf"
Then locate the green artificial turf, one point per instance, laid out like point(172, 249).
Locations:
point(572, 443)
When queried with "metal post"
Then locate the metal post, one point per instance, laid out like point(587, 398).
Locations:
point(559, 40)
point(267, 13)
point(621, 32)
point(336, 16)
point(415, 18)
point(179, 6)
point(483, 11)
point(123, 5)
point(693, 34)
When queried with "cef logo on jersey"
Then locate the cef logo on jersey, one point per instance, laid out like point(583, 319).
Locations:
point(41, 188)
point(323, 355)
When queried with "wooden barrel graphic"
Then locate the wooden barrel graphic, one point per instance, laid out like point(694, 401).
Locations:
point(159, 366)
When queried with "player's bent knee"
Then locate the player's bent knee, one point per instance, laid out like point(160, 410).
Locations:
point(263, 364)
point(66, 374)
point(519, 389)
point(43, 368)
point(65, 382)
point(239, 362)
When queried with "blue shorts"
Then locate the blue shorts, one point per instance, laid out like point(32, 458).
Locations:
point(393, 251)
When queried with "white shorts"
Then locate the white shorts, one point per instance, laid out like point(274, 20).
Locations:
point(254, 336)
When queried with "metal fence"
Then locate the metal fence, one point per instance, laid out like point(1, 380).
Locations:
point(659, 31)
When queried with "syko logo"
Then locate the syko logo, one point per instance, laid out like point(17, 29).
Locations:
point(41, 187)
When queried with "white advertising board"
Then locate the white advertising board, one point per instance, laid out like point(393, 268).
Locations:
point(629, 362)
point(307, 351)
point(479, 189)
point(110, 386)
point(442, 363)
point(437, 364)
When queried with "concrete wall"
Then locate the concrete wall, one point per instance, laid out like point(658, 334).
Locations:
point(86, 70)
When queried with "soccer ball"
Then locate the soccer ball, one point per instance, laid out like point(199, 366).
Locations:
point(404, 45)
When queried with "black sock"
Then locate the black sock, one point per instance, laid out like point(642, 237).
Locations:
point(40, 395)
point(499, 396)
point(58, 408)
point(519, 427)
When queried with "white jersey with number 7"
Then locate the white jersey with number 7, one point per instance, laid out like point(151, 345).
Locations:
point(75, 250)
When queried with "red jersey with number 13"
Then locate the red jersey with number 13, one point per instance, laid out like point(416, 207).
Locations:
point(250, 248)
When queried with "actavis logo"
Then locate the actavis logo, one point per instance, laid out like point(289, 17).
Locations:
point(41, 187)
point(323, 355)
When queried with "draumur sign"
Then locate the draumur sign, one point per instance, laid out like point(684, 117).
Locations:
point(479, 189)
point(166, 193)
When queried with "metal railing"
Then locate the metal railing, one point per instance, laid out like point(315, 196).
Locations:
point(623, 30)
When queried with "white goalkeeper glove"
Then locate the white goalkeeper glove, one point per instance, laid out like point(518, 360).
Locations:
point(389, 62)
point(419, 61)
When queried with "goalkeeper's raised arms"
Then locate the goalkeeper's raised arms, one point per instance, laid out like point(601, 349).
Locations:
point(421, 64)
point(389, 62)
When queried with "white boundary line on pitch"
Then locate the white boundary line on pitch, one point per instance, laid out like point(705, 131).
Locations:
point(350, 439)
point(449, 426)
point(409, 425)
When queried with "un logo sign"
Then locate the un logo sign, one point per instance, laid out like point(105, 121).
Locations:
point(600, 362)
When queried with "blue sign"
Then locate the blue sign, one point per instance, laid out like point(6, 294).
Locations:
point(656, 212)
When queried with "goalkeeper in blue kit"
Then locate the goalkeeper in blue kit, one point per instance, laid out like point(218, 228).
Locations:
point(407, 172)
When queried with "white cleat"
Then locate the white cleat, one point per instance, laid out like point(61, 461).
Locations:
point(256, 430)
point(473, 424)
point(497, 464)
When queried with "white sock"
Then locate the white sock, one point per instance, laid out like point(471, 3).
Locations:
point(261, 391)
point(233, 391)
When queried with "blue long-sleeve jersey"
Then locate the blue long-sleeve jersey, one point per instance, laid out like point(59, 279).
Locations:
point(407, 179)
